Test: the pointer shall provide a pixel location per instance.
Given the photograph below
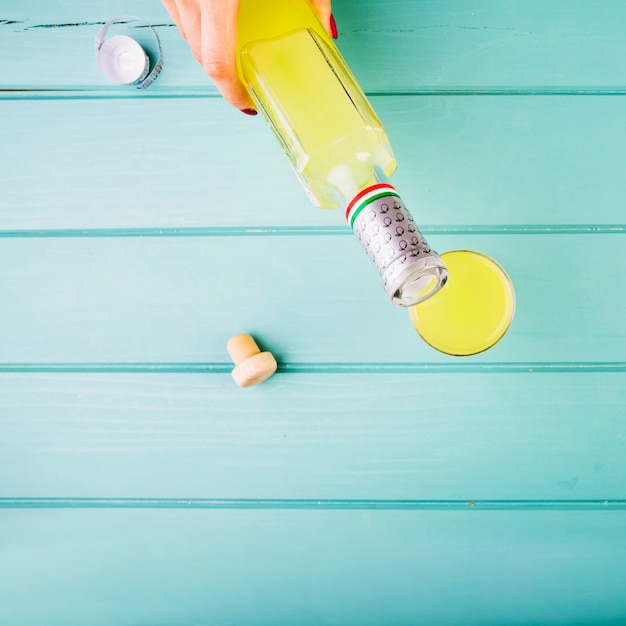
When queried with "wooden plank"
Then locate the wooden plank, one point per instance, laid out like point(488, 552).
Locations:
point(312, 299)
point(397, 436)
point(478, 44)
point(492, 161)
point(405, 46)
point(311, 567)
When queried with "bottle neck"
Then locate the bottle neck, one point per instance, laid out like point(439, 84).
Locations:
point(409, 269)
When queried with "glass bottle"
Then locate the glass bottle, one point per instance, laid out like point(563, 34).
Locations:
point(333, 138)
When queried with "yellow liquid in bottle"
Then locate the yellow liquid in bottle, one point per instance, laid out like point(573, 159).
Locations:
point(472, 311)
point(313, 104)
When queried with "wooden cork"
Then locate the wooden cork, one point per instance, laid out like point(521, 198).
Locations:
point(251, 365)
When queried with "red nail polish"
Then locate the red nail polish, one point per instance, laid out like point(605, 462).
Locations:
point(249, 111)
point(333, 27)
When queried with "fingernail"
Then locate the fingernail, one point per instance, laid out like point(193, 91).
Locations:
point(333, 27)
point(249, 111)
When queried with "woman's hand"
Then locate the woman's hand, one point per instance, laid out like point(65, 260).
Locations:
point(210, 28)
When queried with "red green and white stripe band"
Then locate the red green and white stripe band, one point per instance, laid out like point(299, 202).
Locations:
point(367, 196)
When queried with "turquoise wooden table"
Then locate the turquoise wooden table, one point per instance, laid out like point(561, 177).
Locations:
point(372, 480)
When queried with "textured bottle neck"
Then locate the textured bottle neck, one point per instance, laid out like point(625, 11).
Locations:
point(409, 269)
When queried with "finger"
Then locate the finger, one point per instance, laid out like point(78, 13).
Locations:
point(323, 9)
point(219, 49)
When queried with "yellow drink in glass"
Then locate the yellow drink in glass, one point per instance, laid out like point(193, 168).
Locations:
point(472, 312)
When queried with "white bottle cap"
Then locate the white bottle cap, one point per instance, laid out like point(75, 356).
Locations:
point(122, 60)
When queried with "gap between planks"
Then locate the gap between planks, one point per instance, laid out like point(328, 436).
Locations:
point(317, 368)
point(311, 504)
point(310, 231)
point(71, 92)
